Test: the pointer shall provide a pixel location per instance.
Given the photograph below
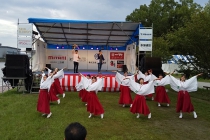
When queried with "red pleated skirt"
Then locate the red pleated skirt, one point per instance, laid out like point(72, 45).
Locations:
point(81, 92)
point(125, 95)
point(52, 93)
point(43, 104)
point(93, 105)
point(58, 89)
point(161, 95)
point(184, 102)
point(85, 96)
point(140, 105)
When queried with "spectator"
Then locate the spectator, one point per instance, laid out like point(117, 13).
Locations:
point(75, 131)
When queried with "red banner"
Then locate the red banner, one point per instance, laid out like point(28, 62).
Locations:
point(117, 55)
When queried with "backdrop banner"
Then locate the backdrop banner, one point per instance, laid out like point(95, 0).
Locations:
point(64, 58)
point(130, 58)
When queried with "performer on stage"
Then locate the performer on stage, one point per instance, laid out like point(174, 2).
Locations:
point(94, 106)
point(161, 95)
point(100, 61)
point(148, 76)
point(183, 87)
point(125, 95)
point(52, 92)
point(76, 58)
point(58, 75)
point(43, 104)
point(139, 105)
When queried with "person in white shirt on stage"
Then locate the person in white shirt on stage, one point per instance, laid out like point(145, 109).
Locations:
point(125, 95)
point(43, 104)
point(139, 105)
point(76, 58)
point(183, 87)
point(161, 95)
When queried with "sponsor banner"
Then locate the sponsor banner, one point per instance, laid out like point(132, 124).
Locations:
point(24, 42)
point(57, 58)
point(116, 55)
point(145, 45)
point(145, 34)
point(25, 30)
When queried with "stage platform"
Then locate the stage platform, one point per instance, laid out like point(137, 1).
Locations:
point(71, 79)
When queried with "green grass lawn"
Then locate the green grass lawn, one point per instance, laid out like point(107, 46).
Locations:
point(19, 119)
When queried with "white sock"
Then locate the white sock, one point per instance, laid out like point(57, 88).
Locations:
point(58, 101)
point(180, 116)
point(159, 104)
point(64, 95)
point(90, 115)
point(149, 116)
point(131, 105)
point(168, 105)
point(138, 115)
point(102, 116)
point(49, 115)
point(195, 115)
point(123, 105)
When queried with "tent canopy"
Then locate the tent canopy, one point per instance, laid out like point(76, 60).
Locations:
point(91, 33)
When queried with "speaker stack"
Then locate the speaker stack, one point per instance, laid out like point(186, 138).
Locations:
point(153, 63)
point(17, 65)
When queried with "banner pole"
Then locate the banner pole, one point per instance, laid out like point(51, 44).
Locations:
point(152, 39)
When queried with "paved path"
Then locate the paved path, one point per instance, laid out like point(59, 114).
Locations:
point(201, 84)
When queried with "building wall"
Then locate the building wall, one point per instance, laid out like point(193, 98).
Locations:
point(4, 50)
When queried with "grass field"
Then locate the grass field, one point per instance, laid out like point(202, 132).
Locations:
point(19, 119)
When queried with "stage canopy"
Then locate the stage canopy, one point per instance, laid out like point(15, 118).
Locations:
point(65, 33)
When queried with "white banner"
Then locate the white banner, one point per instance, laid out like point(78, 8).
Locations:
point(24, 42)
point(130, 58)
point(145, 45)
point(145, 33)
point(64, 58)
point(25, 30)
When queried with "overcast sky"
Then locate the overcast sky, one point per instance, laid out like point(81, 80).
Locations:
point(12, 10)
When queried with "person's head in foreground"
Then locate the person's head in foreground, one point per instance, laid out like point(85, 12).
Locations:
point(88, 76)
point(75, 131)
point(94, 79)
point(141, 81)
point(183, 78)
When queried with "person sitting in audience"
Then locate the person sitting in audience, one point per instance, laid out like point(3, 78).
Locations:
point(75, 131)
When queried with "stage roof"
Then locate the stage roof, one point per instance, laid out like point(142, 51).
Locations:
point(69, 32)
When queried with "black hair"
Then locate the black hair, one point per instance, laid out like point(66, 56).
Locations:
point(88, 75)
point(99, 50)
point(94, 77)
point(140, 80)
point(160, 74)
point(76, 50)
point(75, 131)
point(183, 75)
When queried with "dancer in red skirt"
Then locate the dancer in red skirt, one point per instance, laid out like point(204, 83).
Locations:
point(52, 92)
point(139, 105)
point(94, 106)
point(183, 87)
point(147, 76)
point(161, 95)
point(125, 95)
point(43, 104)
point(58, 75)
point(81, 89)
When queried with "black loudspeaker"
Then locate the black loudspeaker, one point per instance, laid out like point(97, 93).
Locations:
point(48, 65)
point(16, 72)
point(124, 68)
point(153, 63)
point(28, 49)
point(16, 60)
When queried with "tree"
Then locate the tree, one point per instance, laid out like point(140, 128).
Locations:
point(193, 39)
